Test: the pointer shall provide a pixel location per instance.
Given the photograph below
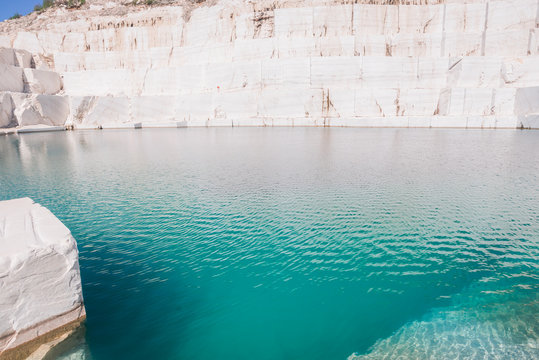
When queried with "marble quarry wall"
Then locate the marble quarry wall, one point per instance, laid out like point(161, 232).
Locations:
point(40, 286)
point(465, 64)
point(27, 91)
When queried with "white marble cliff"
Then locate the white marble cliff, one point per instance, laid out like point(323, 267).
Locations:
point(40, 285)
point(409, 63)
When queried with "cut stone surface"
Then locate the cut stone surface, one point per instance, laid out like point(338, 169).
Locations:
point(24, 58)
point(527, 101)
point(11, 78)
point(15, 57)
point(6, 110)
point(53, 109)
point(27, 41)
point(7, 56)
point(42, 82)
point(40, 109)
point(26, 113)
point(40, 287)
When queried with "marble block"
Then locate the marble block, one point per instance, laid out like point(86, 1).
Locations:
point(40, 286)
point(11, 78)
point(6, 110)
point(42, 82)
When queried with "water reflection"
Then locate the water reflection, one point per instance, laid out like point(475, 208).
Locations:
point(293, 243)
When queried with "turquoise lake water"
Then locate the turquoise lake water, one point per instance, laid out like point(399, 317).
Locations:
point(295, 243)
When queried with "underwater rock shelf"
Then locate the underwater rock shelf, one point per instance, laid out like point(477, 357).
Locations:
point(40, 285)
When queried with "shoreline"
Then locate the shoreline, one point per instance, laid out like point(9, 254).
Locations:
point(181, 125)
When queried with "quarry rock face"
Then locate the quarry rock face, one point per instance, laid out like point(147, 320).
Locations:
point(6, 110)
point(471, 63)
point(42, 82)
point(40, 286)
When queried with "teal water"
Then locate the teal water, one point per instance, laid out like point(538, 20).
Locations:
point(295, 243)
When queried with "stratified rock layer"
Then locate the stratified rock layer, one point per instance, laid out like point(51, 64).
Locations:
point(413, 63)
point(40, 286)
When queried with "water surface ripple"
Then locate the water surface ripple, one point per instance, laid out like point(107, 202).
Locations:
point(295, 243)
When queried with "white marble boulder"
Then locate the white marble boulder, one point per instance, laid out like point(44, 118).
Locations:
point(40, 286)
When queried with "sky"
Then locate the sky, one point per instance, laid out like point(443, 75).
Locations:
point(10, 7)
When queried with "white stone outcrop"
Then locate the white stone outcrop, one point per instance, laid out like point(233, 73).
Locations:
point(40, 286)
point(413, 63)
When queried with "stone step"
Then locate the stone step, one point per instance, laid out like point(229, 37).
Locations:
point(218, 24)
point(13, 57)
point(286, 102)
point(22, 109)
point(511, 42)
point(18, 79)
point(309, 73)
point(518, 43)
point(278, 106)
